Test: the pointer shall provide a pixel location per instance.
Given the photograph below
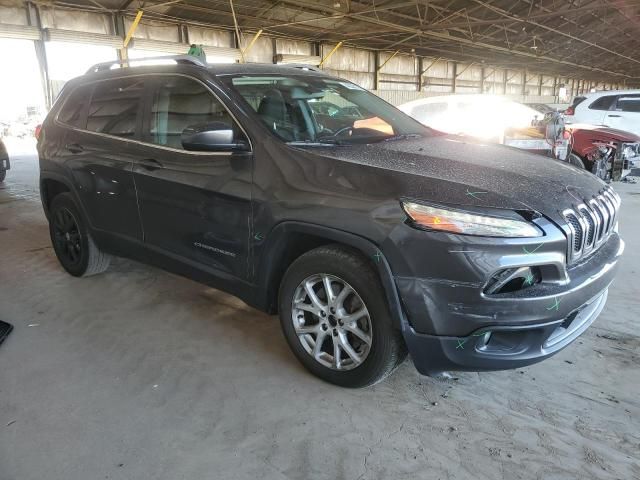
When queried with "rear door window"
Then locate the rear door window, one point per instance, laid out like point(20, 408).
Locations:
point(74, 109)
point(603, 103)
point(628, 104)
point(114, 107)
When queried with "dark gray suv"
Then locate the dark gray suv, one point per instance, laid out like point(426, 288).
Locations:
point(307, 196)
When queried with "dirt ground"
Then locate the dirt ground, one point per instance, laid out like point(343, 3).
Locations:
point(140, 374)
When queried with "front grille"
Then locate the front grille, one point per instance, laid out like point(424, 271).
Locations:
point(591, 222)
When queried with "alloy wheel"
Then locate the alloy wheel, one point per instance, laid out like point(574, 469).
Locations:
point(67, 236)
point(331, 322)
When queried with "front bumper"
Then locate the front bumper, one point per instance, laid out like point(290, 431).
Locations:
point(451, 323)
point(501, 347)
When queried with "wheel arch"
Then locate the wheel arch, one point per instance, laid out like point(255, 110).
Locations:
point(52, 185)
point(288, 240)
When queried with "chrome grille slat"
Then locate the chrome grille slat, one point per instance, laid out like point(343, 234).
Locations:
point(603, 218)
point(591, 223)
point(606, 201)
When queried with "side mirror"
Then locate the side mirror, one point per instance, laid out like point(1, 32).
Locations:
point(211, 137)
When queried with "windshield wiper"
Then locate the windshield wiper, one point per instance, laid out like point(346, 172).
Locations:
point(319, 143)
point(403, 136)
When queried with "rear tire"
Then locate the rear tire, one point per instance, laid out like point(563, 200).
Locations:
point(3, 174)
point(76, 251)
point(355, 318)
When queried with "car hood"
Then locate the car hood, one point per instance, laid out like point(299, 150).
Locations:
point(612, 133)
point(463, 171)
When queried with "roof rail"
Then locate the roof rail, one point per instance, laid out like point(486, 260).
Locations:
point(302, 66)
point(183, 59)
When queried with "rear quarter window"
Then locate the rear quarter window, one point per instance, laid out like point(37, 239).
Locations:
point(114, 107)
point(577, 101)
point(73, 111)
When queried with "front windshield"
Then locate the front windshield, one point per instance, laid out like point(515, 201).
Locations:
point(315, 110)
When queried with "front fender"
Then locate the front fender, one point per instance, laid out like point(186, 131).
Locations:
point(280, 239)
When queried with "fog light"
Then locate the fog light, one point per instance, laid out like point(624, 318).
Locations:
point(513, 279)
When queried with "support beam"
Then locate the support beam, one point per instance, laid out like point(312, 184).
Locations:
point(539, 85)
point(423, 71)
point(237, 29)
point(376, 70)
point(388, 59)
point(455, 76)
point(328, 55)
point(253, 40)
point(132, 30)
point(33, 19)
point(465, 69)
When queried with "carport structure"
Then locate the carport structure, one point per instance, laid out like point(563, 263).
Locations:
point(535, 50)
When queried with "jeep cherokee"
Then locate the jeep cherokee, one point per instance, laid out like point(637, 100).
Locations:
point(368, 233)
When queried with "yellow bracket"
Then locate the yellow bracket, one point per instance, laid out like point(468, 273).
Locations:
point(130, 33)
point(388, 59)
point(253, 40)
point(328, 55)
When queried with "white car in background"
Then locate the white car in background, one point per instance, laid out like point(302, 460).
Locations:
point(619, 109)
point(494, 118)
point(484, 116)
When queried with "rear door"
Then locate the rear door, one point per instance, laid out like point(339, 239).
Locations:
point(102, 119)
point(626, 114)
point(194, 204)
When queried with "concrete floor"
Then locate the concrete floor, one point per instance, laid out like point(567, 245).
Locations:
point(139, 374)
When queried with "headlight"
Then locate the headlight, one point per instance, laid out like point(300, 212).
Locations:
point(457, 221)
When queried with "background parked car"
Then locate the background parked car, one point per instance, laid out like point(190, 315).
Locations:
point(609, 153)
point(493, 118)
point(619, 109)
point(4, 161)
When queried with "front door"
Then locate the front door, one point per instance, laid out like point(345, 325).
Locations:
point(195, 205)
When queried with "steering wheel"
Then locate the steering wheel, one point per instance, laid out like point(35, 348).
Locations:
point(342, 130)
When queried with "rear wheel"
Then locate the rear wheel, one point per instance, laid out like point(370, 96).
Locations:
point(3, 174)
point(74, 247)
point(335, 318)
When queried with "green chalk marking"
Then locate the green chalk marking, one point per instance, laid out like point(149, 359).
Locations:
point(529, 279)
point(555, 305)
point(532, 251)
point(474, 194)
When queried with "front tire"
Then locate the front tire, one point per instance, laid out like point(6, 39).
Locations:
point(335, 317)
point(76, 251)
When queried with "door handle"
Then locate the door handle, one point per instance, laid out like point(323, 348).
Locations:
point(74, 147)
point(616, 116)
point(151, 164)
